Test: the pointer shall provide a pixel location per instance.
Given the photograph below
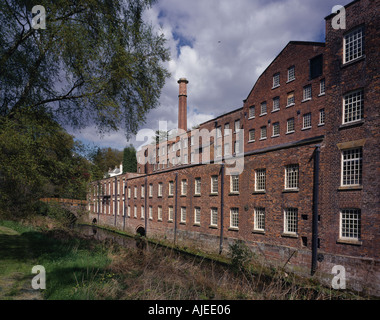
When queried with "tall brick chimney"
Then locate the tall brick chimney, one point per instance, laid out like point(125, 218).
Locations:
point(182, 104)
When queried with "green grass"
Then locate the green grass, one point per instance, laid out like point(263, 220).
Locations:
point(74, 267)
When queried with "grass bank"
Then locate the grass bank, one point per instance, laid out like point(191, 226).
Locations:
point(78, 267)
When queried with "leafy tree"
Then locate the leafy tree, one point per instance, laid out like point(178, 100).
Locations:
point(105, 159)
point(97, 62)
point(129, 159)
point(39, 159)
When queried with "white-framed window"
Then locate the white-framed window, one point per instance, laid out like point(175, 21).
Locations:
point(353, 45)
point(290, 99)
point(129, 211)
point(237, 125)
point(306, 92)
point(234, 218)
point(322, 87)
point(290, 125)
point(259, 219)
point(260, 179)
point(321, 117)
point(159, 189)
point(142, 191)
point(197, 186)
point(135, 194)
point(171, 188)
point(251, 135)
point(234, 183)
point(276, 80)
point(183, 187)
point(276, 129)
point(263, 133)
point(150, 213)
point(306, 121)
point(251, 114)
point(291, 176)
point(291, 220)
point(192, 140)
point(183, 214)
point(350, 224)
point(214, 217)
point(135, 212)
point(353, 106)
point(226, 129)
point(129, 192)
point(352, 165)
point(159, 213)
point(276, 104)
point(263, 108)
point(142, 212)
point(291, 73)
point(150, 190)
point(197, 215)
point(214, 184)
point(170, 213)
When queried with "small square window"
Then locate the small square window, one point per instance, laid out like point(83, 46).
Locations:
point(251, 135)
point(353, 45)
point(251, 112)
point(290, 125)
point(263, 133)
point(291, 74)
point(306, 93)
point(276, 80)
point(290, 99)
point(214, 217)
point(263, 108)
point(353, 106)
point(276, 103)
point(306, 121)
point(276, 129)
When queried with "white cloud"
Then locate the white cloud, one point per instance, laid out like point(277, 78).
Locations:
point(222, 47)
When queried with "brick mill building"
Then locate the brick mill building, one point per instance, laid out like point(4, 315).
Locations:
point(307, 137)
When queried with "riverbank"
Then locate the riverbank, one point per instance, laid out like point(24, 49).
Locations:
point(78, 267)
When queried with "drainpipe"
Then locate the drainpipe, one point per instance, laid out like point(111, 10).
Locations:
point(314, 244)
point(221, 207)
point(145, 208)
point(98, 192)
point(115, 200)
point(175, 209)
point(125, 202)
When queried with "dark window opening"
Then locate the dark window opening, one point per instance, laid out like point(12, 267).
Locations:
point(316, 66)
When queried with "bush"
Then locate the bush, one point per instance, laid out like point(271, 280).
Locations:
point(240, 255)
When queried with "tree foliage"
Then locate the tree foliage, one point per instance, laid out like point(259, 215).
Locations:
point(105, 159)
point(39, 159)
point(129, 159)
point(97, 62)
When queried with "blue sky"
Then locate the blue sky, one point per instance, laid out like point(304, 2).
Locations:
point(221, 47)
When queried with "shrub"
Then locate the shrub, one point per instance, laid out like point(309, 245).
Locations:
point(240, 255)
